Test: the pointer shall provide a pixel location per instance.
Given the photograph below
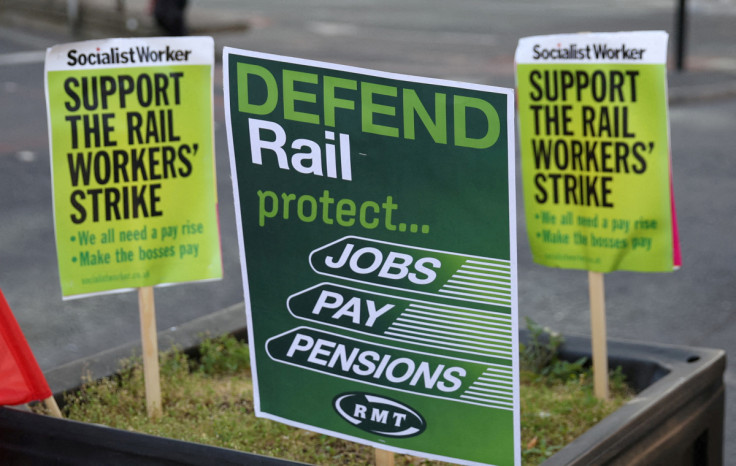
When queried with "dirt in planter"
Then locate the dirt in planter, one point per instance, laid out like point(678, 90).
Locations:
point(209, 399)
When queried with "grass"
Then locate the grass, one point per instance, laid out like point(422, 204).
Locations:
point(210, 400)
point(554, 413)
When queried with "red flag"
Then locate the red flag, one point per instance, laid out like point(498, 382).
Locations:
point(21, 380)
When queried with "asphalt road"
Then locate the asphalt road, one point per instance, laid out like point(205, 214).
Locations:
point(468, 40)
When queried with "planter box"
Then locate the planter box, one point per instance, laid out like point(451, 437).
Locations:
point(675, 419)
point(32, 439)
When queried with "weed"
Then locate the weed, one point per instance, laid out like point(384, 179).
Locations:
point(223, 355)
point(557, 399)
point(541, 354)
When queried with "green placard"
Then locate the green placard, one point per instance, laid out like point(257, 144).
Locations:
point(132, 160)
point(377, 234)
point(595, 151)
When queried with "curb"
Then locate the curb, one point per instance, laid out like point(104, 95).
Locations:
point(72, 375)
point(701, 92)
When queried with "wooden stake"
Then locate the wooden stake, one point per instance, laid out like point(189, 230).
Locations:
point(149, 340)
point(384, 458)
point(598, 334)
point(52, 406)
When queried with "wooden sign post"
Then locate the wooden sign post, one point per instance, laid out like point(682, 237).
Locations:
point(149, 341)
point(598, 334)
point(384, 458)
point(52, 406)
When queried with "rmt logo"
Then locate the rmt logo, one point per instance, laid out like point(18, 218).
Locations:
point(379, 415)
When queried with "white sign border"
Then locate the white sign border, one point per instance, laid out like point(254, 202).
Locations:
point(654, 43)
point(511, 154)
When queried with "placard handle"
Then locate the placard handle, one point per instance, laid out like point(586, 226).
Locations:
point(384, 458)
point(598, 334)
point(52, 407)
point(149, 341)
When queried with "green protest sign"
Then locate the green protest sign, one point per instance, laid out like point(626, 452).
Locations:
point(132, 160)
point(593, 127)
point(377, 233)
